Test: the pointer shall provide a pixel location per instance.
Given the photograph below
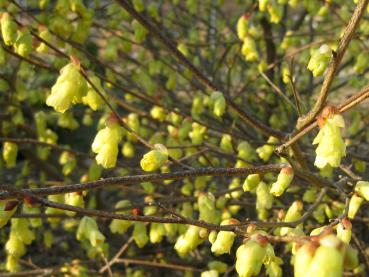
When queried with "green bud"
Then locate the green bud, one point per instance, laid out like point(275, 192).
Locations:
point(266, 150)
point(248, 49)
point(219, 266)
point(88, 229)
point(207, 210)
point(154, 159)
point(344, 230)
point(197, 133)
point(264, 200)
point(157, 232)
point(245, 151)
point(293, 214)
point(12, 263)
point(92, 98)
point(284, 179)
point(251, 182)
point(23, 44)
point(158, 113)
point(188, 241)
point(117, 225)
point(218, 103)
point(362, 189)
point(354, 206)
point(224, 239)
point(226, 143)
point(74, 199)
point(140, 234)
point(10, 152)
point(15, 247)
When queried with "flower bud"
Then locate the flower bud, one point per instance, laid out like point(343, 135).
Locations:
point(243, 26)
point(154, 159)
point(140, 234)
point(12, 263)
point(264, 200)
point(74, 199)
point(189, 240)
point(303, 259)
point(207, 210)
point(328, 258)
point(344, 230)
point(331, 147)
point(218, 103)
point(273, 269)
point(69, 87)
point(319, 60)
point(251, 182)
point(248, 49)
point(362, 189)
point(8, 29)
point(117, 225)
point(354, 206)
point(249, 258)
point(88, 229)
point(23, 44)
point(106, 143)
point(14, 246)
point(293, 214)
point(10, 151)
point(157, 232)
point(284, 179)
point(158, 113)
point(224, 239)
point(45, 35)
point(245, 151)
point(92, 98)
point(266, 150)
point(226, 143)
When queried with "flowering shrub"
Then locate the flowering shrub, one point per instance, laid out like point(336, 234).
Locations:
point(184, 138)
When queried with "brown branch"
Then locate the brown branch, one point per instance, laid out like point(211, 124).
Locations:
point(134, 179)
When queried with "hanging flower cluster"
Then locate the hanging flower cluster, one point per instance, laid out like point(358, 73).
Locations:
point(331, 147)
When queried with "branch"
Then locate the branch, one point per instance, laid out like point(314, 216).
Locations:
point(333, 67)
point(134, 179)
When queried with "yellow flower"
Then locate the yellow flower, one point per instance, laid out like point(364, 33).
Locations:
point(284, 179)
point(69, 88)
point(249, 258)
point(319, 60)
point(10, 151)
point(242, 26)
point(155, 158)
point(331, 147)
point(92, 98)
point(224, 240)
point(8, 29)
point(106, 143)
point(249, 49)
